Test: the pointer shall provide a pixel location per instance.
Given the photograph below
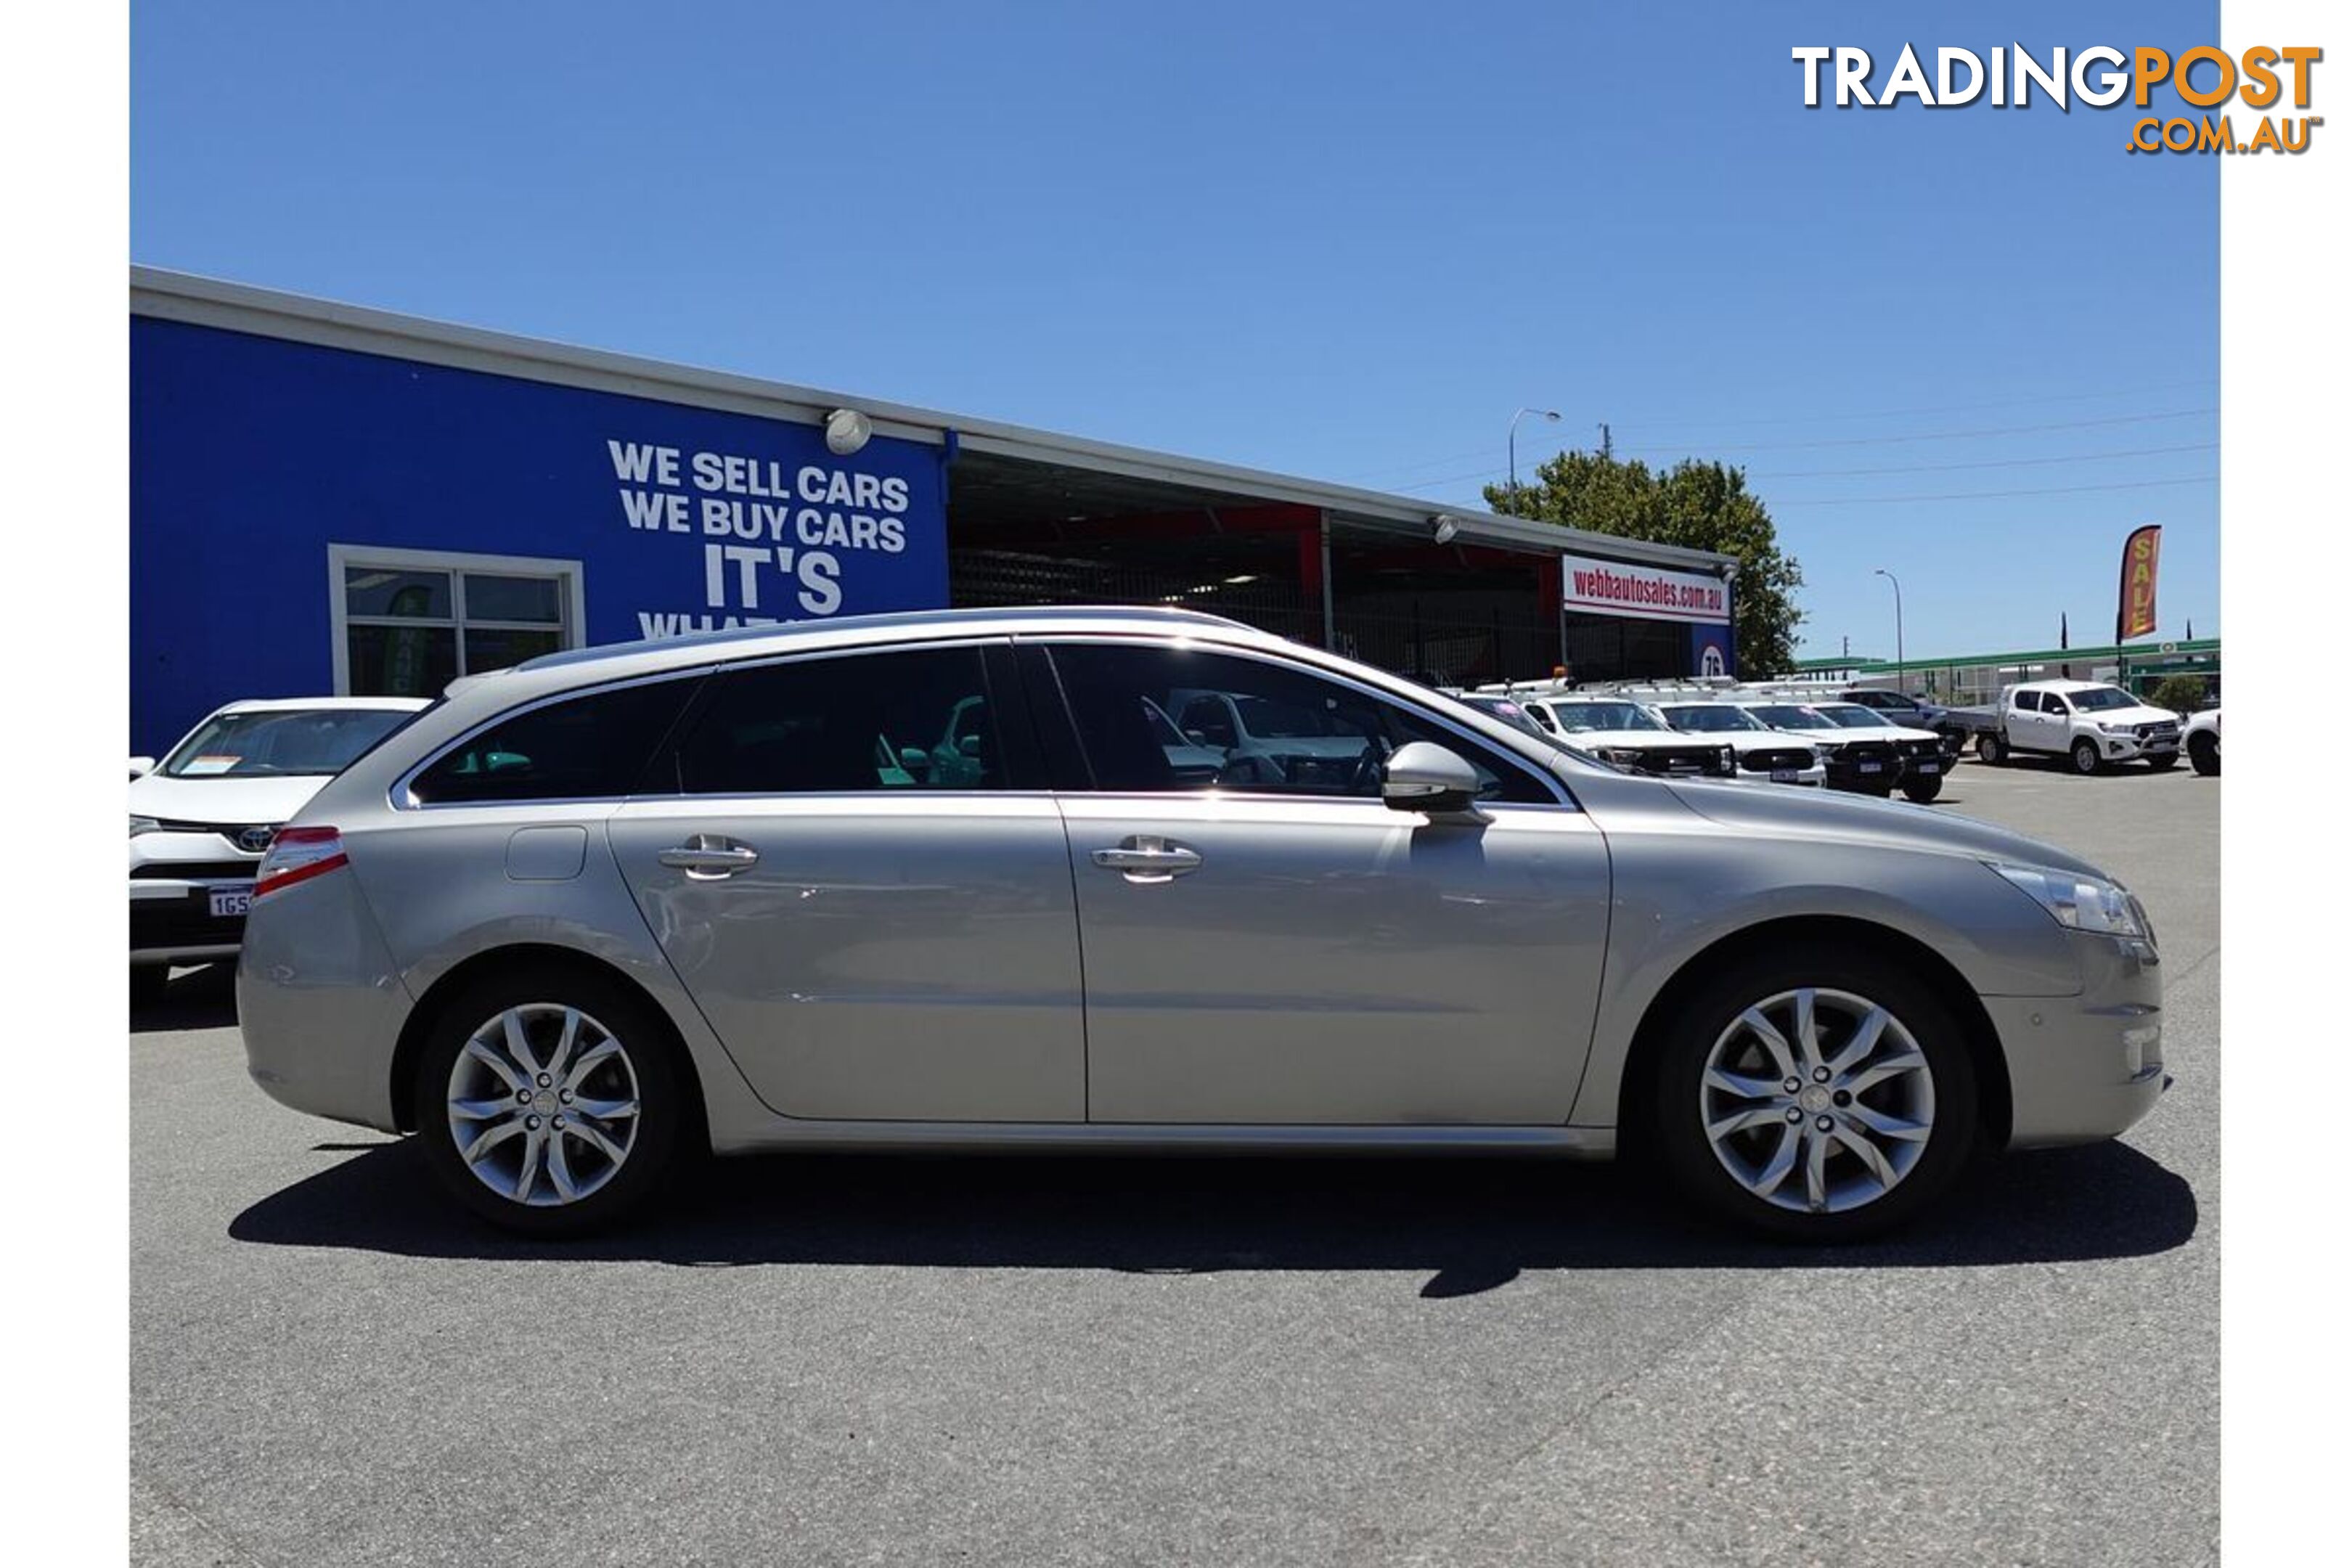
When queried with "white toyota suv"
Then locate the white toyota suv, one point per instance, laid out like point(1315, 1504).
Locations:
point(1621, 731)
point(1764, 754)
point(201, 820)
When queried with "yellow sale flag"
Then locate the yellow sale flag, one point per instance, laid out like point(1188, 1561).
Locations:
point(2135, 597)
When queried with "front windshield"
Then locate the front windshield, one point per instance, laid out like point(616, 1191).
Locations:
point(2100, 699)
point(273, 742)
point(1710, 719)
point(1577, 718)
point(1857, 718)
point(1793, 716)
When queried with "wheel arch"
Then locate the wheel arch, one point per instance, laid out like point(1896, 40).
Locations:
point(1796, 933)
point(431, 1007)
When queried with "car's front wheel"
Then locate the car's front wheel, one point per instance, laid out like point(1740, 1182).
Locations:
point(2205, 754)
point(548, 1100)
point(1815, 1099)
point(1919, 792)
point(2085, 755)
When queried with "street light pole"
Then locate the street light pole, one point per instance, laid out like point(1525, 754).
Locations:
point(1891, 577)
point(1551, 414)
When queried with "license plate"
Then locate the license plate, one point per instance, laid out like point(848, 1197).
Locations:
point(1870, 767)
point(231, 900)
point(1929, 767)
point(1784, 775)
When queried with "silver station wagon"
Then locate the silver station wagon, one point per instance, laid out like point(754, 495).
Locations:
point(954, 879)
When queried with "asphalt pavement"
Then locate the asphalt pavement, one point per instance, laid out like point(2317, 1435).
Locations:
point(821, 1360)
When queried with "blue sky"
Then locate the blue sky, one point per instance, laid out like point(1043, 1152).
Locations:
point(1341, 241)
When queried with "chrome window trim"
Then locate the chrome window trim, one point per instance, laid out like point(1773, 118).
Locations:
point(401, 797)
point(1558, 790)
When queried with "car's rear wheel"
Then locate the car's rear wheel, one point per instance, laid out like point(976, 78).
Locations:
point(548, 1100)
point(1992, 748)
point(2085, 755)
point(2205, 754)
point(1815, 1099)
point(1919, 792)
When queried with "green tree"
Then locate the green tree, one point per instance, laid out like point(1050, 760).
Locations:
point(2182, 693)
point(1703, 506)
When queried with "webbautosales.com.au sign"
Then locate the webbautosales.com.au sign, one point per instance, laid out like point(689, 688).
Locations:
point(1645, 593)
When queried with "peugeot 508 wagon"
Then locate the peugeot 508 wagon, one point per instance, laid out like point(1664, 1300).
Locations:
point(933, 882)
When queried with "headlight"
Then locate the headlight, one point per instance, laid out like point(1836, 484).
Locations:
point(1729, 758)
point(2078, 902)
point(140, 825)
point(1823, 753)
point(2115, 729)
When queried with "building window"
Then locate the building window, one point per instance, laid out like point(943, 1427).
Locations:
point(408, 622)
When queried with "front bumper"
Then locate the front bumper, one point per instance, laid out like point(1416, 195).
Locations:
point(2137, 748)
point(2085, 1068)
point(186, 893)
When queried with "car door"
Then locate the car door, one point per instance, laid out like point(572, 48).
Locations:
point(1294, 951)
point(2026, 720)
point(859, 877)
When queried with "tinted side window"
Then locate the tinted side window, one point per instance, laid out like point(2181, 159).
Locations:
point(1298, 733)
point(2025, 702)
point(586, 748)
point(921, 719)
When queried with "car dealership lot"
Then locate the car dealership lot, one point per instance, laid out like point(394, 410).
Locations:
point(834, 1358)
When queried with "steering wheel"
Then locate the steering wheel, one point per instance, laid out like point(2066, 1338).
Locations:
point(1370, 765)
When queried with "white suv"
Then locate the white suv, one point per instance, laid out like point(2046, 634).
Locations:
point(1621, 731)
point(1764, 754)
point(201, 820)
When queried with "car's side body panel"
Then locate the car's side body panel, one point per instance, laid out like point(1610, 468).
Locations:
point(909, 956)
point(1338, 960)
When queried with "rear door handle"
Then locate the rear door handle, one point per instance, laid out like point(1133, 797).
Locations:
point(1148, 859)
point(705, 856)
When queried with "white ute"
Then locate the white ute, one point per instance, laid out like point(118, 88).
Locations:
point(2093, 726)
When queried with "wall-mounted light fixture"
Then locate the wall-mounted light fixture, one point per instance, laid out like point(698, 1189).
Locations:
point(847, 431)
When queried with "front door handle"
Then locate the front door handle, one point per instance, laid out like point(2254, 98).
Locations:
point(705, 856)
point(1147, 859)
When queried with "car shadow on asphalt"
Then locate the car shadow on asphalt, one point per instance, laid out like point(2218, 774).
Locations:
point(201, 998)
point(1472, 1224)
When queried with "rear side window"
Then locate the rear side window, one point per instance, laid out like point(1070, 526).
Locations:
point(921, 719)
point(2028, 701)
point(584, 748)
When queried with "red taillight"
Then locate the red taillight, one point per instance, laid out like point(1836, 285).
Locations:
point(297, 855)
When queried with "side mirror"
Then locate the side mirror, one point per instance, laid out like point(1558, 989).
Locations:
point(1427, 777)
point(142, 766)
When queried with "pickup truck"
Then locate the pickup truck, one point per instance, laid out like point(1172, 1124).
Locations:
point(1911, 713)
point(2093, 726)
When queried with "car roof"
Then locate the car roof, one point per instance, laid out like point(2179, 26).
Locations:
point(695, 648)
point(332, 704)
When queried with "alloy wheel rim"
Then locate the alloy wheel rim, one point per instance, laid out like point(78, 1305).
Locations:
point(544, 1104)
point(1817, 1101)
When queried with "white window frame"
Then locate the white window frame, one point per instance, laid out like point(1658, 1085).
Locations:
point(570, 590)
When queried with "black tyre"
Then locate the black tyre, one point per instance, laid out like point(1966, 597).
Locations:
point(1881, 1120)
point(1919, 792)
point(549, 1099)
point(2159, 762)
point(2084, 755)
point(2205, 755)
point(1992, 749)
point(147, 983)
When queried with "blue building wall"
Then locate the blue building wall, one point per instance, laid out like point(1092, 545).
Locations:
point(250, 456)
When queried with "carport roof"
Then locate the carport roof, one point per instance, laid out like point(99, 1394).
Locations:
point(1095, 476)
